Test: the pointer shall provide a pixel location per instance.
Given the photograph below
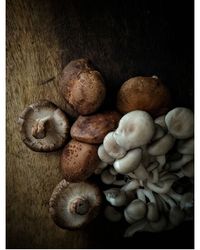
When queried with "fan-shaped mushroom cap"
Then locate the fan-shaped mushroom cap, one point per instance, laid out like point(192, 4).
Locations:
point(82, 87)
point(43, 126)
point(135, 129)
point(79, 160)
point(73, 205)
point(180, 122)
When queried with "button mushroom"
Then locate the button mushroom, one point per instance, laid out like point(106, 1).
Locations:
point(74, 205)
point(79, 160)
point(180, 122)
point(82, 87)
point(43, 126)
point(135, 129)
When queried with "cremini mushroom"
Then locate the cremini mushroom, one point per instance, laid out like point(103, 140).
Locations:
point(74, 205)
point(79, 160)
point(135, 129)
point(180, 122)
point(43, 126)
point(82, 87)
point(112, 148)
point(129, 162)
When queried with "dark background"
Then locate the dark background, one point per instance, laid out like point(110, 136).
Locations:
point(123, 39)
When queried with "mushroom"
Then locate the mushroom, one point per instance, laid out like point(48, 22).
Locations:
point(161, 122)
point(104, 156)
point(134, 130)
point(162, 145)
point(157, 226)
point(93, 128)
point(180, 122)
point(74, 205)
point(159, 132)
point(79, 160)
point(175, 165)
point(102, 165)
point(82, 87)
point(116, 197)
point(112, 148)
point(107, 177)
point(112, 214)
point(136, 210)
point(143, 93)
point(43, 126)
point(131, 186)
point(186, 146)
point(188, 169)
point(129, 162)
point(135, 227)
point(160, 188)
point(141, 172)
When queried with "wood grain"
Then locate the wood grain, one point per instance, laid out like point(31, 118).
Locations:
point(123, 39)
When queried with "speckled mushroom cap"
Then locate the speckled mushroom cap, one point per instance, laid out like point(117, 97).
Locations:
point(43, 126)
point(79, 160)
point(82, 87)
point(74, 205)
point(144, 93)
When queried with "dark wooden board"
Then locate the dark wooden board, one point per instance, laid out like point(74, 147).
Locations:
point(123, 39)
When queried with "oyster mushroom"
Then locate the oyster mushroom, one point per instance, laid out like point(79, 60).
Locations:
point(180, 122)
point(74, 205)
point(136, 210)
point(112, 214)
point(186, 146)
point(161, 122)
point(135, 129)
point(107, 177)
point(79, 160)
point(116, 197)
point(43, 126)
point(104, 156)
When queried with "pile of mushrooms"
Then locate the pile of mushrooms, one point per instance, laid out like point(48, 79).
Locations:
point(143, 159)
point(141, 152)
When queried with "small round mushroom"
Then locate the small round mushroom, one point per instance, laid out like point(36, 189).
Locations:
point(79, 160)
point(112, 148)
point(107, 177)
point(104, 156)
point(93, 128)
point(43, 126)
point(135, 129)
point(143, 93)
point(116, 197)
point(82, 87)
point(180, 122)
point(136, 210)
point(162, 145)
point(129, 162)
point(74, 205)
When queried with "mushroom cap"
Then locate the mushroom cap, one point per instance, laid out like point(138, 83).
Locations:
point(92, 129)
point(136, 210)
point(104, 156)
point(56, 128)
point(129, 162)
point(186, 146)
point(82, 86)
point(74, 205)
point(180, 122)
point(143, 93)
point(112, 147)
point(135, 129)
point(79, 160)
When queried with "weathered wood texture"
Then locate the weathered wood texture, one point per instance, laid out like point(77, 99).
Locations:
point(123, 39)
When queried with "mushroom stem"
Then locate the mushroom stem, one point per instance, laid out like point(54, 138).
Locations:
point(39, 128)
point(140, 195)
point(141, 173)
point(160, 190)
point(137, 226)
point(79, 205)
point(132, 185)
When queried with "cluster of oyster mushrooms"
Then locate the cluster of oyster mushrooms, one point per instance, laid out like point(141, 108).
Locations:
point(141, 151)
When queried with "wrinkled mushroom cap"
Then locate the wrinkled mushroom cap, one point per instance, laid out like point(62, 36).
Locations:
point(135, 129)
point(79, 160)
point(73, 205)
point(56, 128)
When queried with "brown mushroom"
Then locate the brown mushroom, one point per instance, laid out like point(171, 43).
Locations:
point(43, 126)
point(79, 160)
point(93, 128)
point(143, 93)
point(82, 87)
point(74, 205)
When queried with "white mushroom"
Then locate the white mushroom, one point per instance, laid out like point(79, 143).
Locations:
point(116, 197)
point(186, 146)
point(162, 145)
point(175, 165)
point(152, 209)
point(129, 162)
point(159, 132)
point(136, 210)
point(135, 129)
point(180, 122)
point(107, 177)
point(112, 148)
point(112, 214)
point(104, 156)
point(131, 186)
point(161, 121)
point(160, 188)
point(141, 172)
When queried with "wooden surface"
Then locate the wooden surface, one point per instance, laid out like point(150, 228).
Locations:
point(123, 39)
